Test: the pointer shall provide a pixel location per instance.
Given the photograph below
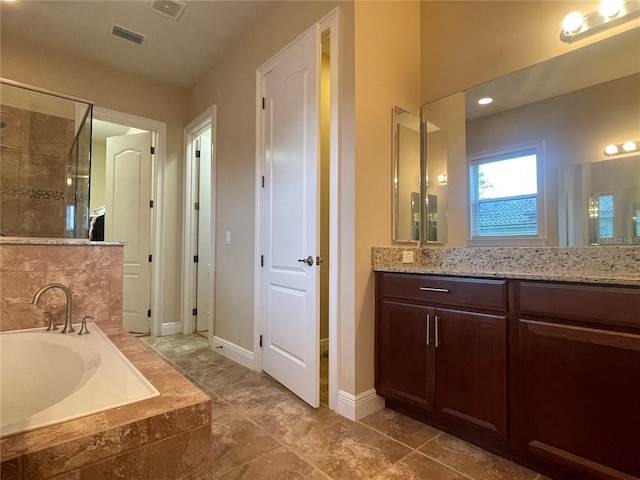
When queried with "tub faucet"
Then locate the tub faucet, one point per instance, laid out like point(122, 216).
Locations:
point(68, 328)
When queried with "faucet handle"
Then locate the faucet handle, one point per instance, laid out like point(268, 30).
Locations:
point(53, 325)
point(83, 328)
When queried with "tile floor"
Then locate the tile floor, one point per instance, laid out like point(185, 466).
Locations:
point(261, 431)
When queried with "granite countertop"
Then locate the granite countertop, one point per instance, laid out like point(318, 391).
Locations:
point(605, 265)
point(181, 406)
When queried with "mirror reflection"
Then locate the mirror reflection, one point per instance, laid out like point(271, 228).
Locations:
point(406, 177)
point(544, 119)
point(46, 150)
point(599, 203)
point(436, 183)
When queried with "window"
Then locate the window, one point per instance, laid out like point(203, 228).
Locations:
point(506, 193)
point(605, 210)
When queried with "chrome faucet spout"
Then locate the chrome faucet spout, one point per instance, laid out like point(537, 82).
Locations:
point(68, 328)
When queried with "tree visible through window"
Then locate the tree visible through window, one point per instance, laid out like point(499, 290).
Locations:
point(504, 194)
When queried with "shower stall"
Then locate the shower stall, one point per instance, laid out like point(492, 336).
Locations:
point(45, 160)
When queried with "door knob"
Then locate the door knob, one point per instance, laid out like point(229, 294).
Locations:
point(308, 260)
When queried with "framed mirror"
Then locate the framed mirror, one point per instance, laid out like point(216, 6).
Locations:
point(406, 209)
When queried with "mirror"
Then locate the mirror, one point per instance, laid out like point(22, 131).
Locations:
point(46, 149)
point(599, 203)
point(406, 176)
point(570, 108)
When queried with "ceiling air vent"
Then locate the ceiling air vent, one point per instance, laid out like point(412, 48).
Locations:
point(122, 32)
point(168, 8)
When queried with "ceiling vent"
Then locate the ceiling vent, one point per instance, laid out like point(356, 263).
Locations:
point(118, 31)
point(168, 8)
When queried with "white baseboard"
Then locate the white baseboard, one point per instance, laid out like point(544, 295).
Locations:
point(359, 406)
point(170, 328)
point(324, 345)
point(234, 352)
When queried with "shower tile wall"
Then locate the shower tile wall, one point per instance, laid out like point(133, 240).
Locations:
point(92, 272)
point(35, 150)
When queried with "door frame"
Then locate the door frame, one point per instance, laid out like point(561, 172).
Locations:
point(159, 129)
point(330, 22)
point(191, 131)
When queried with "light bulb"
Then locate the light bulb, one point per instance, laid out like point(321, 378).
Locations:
point(485, 101)
point(610, 8)
point(629, 146)
point(572, 22)
point(611, 149)
point(442, 178)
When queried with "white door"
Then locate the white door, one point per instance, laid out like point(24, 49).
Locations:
point(128, 219)
point(290, 286)
point(204, 294)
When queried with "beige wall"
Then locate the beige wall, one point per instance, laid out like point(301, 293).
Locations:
point(127, 93)
point(387, 69)
point(98, 174)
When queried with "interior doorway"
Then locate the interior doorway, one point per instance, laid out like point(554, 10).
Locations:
point(198, 273)
point(125, 182)
point(296, 324)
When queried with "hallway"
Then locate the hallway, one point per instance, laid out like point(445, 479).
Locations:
point(261, 431)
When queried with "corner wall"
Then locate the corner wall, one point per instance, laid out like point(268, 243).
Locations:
point(387, 73)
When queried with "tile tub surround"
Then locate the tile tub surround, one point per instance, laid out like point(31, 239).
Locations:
point(609, 265)
point(93, 272)
point(166, 437)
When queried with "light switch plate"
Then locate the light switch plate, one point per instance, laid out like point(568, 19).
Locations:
point(227, 238)
point(407, 257)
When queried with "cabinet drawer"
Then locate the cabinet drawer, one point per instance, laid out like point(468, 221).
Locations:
point(467, 292)
point(588, 303)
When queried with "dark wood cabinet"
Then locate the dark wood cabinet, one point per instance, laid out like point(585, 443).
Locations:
point(577, 389)
point(544, 373)
point(445, 360)
point(406, 363)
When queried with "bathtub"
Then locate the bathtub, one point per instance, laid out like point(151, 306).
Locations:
point(50, 377)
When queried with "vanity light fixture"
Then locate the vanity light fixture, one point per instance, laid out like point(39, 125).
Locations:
point(622, 148)
point(485, 101)
point(442, 178)
point(611, 13)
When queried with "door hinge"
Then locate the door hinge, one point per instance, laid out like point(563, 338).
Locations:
point(150, 258)
point(194, 312)
point(261, 340)
point(149, 313)
point(150, 203)
point(262, 181)
point(195, 259)
point(153, 150)
point(263, 103)
point(262, 260)
point(197, 153)
point(196, 206)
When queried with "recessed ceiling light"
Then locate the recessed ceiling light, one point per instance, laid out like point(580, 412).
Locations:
point(485, 101)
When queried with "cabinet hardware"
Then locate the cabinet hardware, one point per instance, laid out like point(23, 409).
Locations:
point(430, 289)
point(437, 337)
point(428, 321)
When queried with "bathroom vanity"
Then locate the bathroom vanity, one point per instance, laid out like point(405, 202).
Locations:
point(542, 370)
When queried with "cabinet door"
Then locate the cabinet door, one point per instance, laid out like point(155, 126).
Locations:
point(471, 369)
point(405, 361)
point(579, 398)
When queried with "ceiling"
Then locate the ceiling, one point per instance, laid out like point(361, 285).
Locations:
point(176, 53)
